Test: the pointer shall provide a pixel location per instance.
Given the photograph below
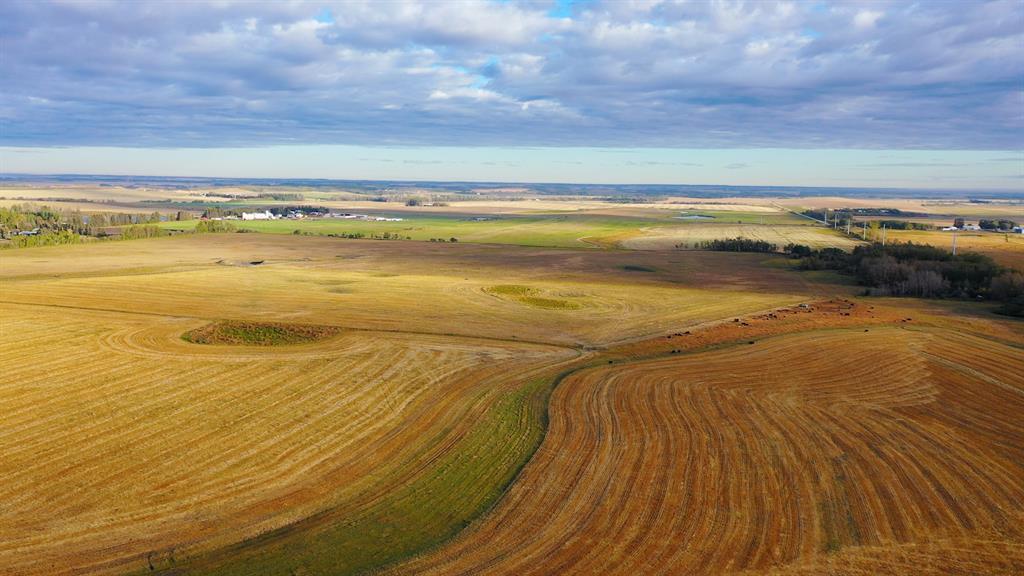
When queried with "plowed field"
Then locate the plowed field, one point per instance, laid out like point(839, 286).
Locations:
point(848, 451)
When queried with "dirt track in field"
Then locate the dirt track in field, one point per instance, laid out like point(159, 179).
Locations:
point(891, 449)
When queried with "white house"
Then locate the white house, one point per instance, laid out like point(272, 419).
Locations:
point(265, 215)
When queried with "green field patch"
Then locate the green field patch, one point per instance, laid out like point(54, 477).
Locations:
point(549, 303)
point(561, 230)
point(511, 290)
point(430, 510)
point(639, 268)
point(257, 333)
point(530, 297)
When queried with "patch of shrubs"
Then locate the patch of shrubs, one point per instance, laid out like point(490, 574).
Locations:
point(214, 226)
point(143, 231)
point(738, 245)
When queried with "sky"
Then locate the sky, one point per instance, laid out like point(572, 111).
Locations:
point(817, 93)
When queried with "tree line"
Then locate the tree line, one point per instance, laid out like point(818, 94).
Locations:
point(920, 270)
point(28, 225)
point(737, 245)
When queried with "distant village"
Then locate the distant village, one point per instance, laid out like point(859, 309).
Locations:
point(300, 214)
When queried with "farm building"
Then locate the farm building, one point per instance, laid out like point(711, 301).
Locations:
point(265, 215)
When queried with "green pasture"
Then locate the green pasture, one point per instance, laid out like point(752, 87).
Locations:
point(553, 230)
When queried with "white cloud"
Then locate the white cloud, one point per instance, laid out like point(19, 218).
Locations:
point(867, 18)
point(649, 73)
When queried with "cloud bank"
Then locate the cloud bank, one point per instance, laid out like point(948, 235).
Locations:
point(927, 75)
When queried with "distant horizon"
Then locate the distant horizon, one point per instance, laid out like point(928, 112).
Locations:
point(996, 170)
point(697, 188)
point(898, 94)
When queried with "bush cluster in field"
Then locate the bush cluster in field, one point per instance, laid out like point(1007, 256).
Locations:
point(257, 334)
point(528, 296)
point(738, 245)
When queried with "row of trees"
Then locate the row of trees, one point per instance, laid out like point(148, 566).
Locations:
point(920, 270)
point(213, 226)
point(281, 196)
point(738, 245)
point(997, 224)
point(26, 225)
point(29, 217)
point(904, 225)
point(45, 239)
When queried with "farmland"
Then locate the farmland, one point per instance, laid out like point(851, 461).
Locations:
point(563, 231)
point(643, 229)
point(121, 423)
point(789, 453)
point(1007, 249)
point(555, 392)
point(691, 235)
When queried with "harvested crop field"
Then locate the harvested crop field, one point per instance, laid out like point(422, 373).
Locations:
point(1006, 249)
point(691, 235)
point(349, 406)
point(124, 444)
point(792, 454)
point(576, 297)
point(352, 402)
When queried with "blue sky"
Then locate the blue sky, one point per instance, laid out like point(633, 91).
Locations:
point(918, 94)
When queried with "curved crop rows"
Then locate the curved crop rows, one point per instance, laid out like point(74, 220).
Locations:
point(123, 443)
point(852, 452)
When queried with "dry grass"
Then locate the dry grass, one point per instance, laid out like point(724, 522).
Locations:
point(691, 235)
point(123, 441)
point(839, 451)
point(530, 297)
point(818, 447)
point(125, 444)
point(943, 207)
point(1007, 249)
point(411, 287)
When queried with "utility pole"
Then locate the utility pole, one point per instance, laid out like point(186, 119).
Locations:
point(883, 235)
point(864, 230)
point(954, 242)
point(848, 222)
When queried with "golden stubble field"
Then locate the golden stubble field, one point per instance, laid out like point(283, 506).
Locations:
point(126, 447)
point(846, 438)
point(691, 235)
point(120, 439)
point(839, 449)
point(1006, 249)
point(400, 286)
